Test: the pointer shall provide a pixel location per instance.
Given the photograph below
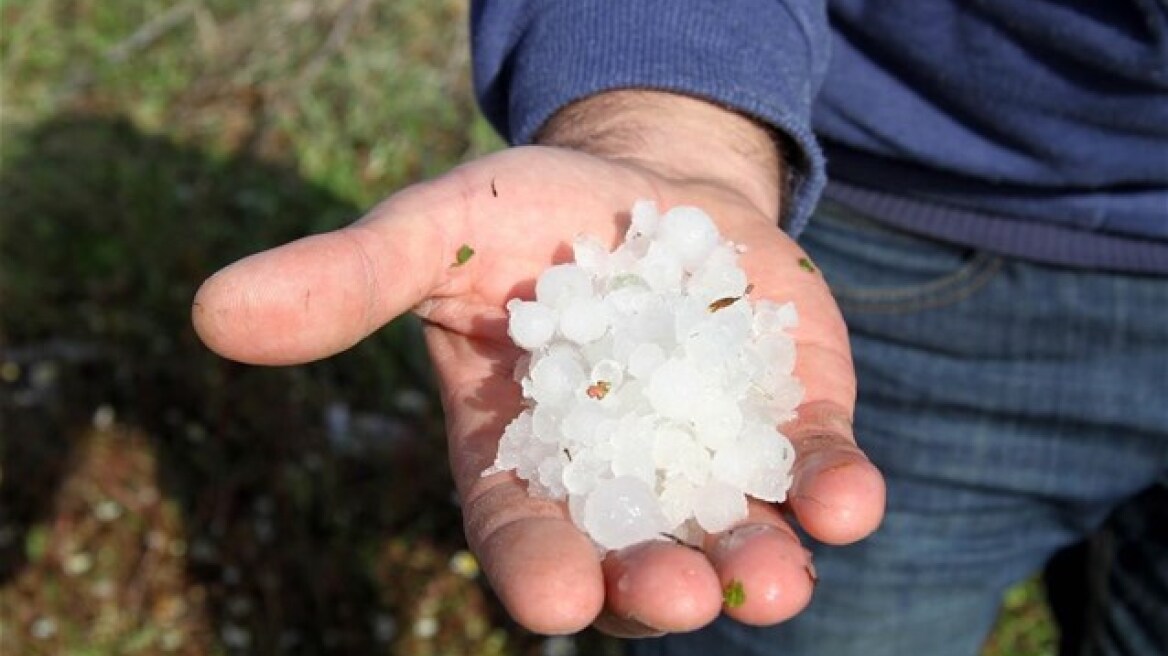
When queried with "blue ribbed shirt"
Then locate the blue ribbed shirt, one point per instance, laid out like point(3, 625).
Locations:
point(1035, 128)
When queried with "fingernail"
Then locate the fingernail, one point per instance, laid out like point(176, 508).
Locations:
point(735, 538)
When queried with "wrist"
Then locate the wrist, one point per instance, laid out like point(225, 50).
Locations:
point(679, 137)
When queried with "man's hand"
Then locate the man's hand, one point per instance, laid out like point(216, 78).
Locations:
point(519, 211)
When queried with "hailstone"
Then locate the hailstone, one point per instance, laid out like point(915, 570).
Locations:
point(653, 385)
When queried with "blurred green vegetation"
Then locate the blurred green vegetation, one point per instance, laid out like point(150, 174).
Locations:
point(1025, 627)
point(157, 499)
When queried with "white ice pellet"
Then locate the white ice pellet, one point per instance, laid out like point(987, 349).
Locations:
point(583, 471)
point(590, 255)
point(651, 321)
point(661, 268)
point(581, 424)
point(652, 385)
point(551, 476)
point(609, 371)
point(623, 511)
point(516, 436)
point(583, 320)
point(531, 457)
point(645, 358)
point(633, 451)
point(563, 283)
point(769, 484)
point(718, 421)
point(676, 389)
point(718, 505)
point(718, 277)
point(644, 219)
point(677, 499)
point(555, 378)
point(732, 464)
point(689, 233)
point(771, 317)
point(531, 324)
point(545, 423)
point(677, 453)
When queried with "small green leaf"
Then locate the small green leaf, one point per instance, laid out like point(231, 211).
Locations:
point(734, 595)
point(806, 265)
point(465, 252)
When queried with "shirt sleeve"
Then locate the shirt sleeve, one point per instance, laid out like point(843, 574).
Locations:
point(764, 58)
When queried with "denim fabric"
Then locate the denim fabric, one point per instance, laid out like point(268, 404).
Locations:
point(1125, 562)
point(1013, 408)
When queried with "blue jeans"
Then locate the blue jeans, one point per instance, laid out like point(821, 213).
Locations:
point(1015, 409)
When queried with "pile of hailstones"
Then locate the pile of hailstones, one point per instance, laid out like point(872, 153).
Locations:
point(652, 385)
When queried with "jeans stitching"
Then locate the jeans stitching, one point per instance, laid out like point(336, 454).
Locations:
point(950, 289)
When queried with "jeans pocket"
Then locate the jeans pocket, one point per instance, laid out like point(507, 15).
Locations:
point(872, 267)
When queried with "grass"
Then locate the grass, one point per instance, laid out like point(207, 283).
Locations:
point(1025, 626)
point(159, 500)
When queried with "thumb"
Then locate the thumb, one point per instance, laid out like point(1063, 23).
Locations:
point(322, 294)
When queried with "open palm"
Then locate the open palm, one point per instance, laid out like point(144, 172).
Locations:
point(519, 211)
